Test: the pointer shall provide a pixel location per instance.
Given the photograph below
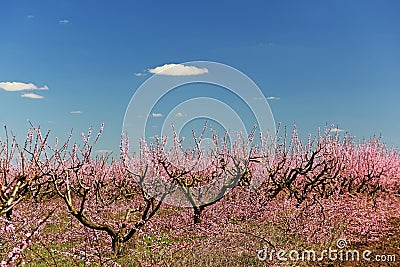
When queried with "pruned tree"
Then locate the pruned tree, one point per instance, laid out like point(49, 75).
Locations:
point(202, 175)
point(21, 172)
point(103, 194)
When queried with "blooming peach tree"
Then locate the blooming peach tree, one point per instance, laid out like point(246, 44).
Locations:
point(315, 190)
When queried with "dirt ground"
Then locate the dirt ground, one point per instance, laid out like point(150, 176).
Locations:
point(385, 252)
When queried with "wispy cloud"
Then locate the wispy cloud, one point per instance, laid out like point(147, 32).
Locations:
point(263, 44)
point(32, 96)
point(178, 70)
point(157, 115)
point(180, 115)
point(30, 17)
point(336, 130)
point(20, 86)
point(267, 98)
point(64, 22)
point(76, 112)
point(139, 74)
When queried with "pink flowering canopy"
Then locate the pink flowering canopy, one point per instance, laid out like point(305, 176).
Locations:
point(263, 190)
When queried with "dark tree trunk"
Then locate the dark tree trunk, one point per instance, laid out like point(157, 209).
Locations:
point(8, 214)
point(117, 245)
point(197, 214)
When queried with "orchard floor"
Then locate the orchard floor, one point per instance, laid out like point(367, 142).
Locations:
point(194, 257)
point(387, 248)
point(234, 244)
point(384, 248)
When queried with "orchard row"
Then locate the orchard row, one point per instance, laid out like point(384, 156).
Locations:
point(242, 177)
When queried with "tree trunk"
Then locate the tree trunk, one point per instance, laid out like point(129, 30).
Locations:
point(8, 214)
point(117, 245)
point(197, 214)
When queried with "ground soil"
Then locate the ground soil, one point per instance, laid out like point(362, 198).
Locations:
point(386, 247)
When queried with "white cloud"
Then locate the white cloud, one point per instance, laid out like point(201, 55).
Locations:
point(64, 21)
point(20, 86)
point(180, 115)
point(30, 17)
point(31, 95)
point(138, 74)
point(336, 130)
point(76, 112)
point(267, 98)
point(157, 115)
point(178, 70)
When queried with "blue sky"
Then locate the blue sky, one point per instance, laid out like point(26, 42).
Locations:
point(328, 62)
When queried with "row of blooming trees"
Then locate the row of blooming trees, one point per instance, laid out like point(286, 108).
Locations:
point(114, 199)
